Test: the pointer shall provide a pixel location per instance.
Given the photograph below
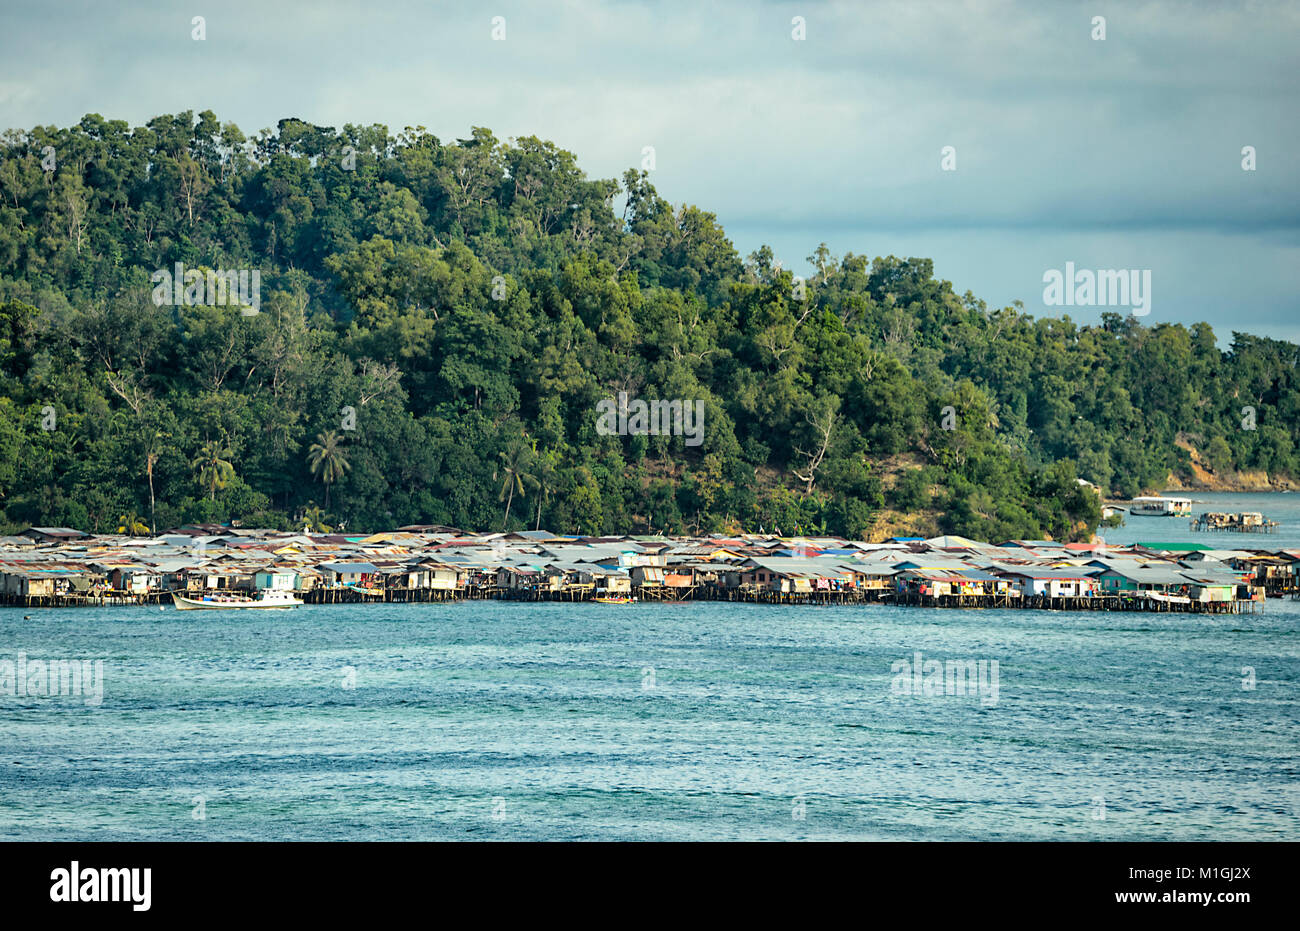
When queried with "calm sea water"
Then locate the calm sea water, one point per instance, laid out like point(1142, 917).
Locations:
point(697, 721)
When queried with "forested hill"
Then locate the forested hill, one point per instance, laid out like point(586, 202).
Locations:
point(437, 323)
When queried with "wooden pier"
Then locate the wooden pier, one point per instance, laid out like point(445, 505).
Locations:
point(86, 599)
point(1125, 601)
point(744, 594)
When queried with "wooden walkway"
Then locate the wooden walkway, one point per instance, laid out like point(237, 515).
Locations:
point(86, 599)
point(1200, 525)
point(1119, 602)
point(700, 592)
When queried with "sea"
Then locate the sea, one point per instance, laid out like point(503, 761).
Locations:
point(700, 721)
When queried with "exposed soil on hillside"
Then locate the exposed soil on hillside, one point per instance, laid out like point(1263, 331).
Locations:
point(1204, 478)
point(892, 523)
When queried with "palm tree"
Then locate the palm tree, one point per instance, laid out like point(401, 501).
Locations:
point(543, 480)
point(313, 519)
point(326, 460)
point(213, 469)
point(151, 454)
point(132, 525)
point(151, 460)
point(515, 459)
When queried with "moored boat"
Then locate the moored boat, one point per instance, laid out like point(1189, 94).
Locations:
point(613, 599)
point(1160, 506)
point(268, 599)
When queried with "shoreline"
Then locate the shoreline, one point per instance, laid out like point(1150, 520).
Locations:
point(755, 598)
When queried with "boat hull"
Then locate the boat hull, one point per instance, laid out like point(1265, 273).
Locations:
point(194, 604)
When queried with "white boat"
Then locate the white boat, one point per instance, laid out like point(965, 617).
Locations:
point(1160, 506)
point(1167, 598)
point(267, 599)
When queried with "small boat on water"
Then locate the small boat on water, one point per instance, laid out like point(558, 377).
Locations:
point(269, 599)
point(614, 599)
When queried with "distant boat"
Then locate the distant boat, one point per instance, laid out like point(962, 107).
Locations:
point(227, 602)
point(613, 599)
point(1160, 506)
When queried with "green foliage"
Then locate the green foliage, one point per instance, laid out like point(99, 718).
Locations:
point(912, 491)
point(439, 320)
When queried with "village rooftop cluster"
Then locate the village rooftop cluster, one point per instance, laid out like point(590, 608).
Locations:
point(54, 566)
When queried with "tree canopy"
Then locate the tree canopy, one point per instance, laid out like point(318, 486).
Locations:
point(437, 323)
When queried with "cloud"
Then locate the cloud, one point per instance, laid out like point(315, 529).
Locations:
point(1135, 140)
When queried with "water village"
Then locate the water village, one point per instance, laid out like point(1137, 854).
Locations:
point(58, 566)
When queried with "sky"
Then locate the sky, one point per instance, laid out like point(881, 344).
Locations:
point(1115, 153)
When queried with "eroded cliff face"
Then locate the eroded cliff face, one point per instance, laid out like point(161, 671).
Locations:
point(1203, 478)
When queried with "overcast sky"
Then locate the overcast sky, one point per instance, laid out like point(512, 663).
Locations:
point(1124, 153)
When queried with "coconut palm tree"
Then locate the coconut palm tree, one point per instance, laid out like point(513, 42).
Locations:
point(151, 454)
point(214, 470)
point(515, 460)
point(132, 525)
point(151, 460)
point(326, 460)
point(313, 519)
point(543, 481)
